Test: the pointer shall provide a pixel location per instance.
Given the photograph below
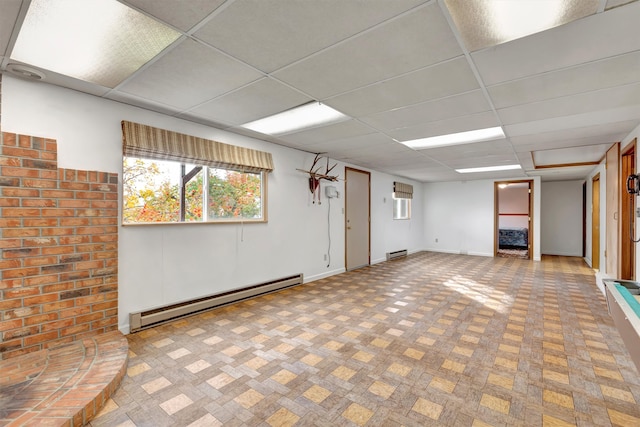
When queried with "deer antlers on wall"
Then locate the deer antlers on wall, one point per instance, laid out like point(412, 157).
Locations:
point(315, 176)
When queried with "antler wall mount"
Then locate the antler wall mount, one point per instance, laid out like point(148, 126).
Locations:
point(315, 176)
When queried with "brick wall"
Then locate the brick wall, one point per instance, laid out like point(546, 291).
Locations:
point(59, 248)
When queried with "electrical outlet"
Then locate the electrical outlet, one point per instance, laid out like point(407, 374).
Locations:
point(325, 257)
point(436, 240)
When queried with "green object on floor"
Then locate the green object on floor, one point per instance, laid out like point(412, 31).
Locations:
point(633, 303)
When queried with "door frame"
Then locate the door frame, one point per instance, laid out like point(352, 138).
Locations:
point(595, 219)
point(627, 215)
point(496, 213)
point(346, 214)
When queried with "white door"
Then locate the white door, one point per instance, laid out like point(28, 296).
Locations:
point(357, 202)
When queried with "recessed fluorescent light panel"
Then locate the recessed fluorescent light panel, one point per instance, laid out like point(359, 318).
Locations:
point(305, 116)
point(99, 41)
point(484, 23)
point(478, 135)
point(489, 169)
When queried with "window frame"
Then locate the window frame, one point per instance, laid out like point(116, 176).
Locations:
point(205, 197)
point(397, 201)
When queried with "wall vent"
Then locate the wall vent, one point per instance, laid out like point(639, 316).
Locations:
point(146, 319)
point(396, 254)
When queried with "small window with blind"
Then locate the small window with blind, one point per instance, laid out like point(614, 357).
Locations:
point(176, 178)
point(402, 195)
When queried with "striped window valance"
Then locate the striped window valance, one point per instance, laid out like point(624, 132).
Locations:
point(152, 143)
point(402, 190)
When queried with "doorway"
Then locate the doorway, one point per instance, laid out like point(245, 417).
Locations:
point(595, 222)
point(357, 218)
point(627, 216)
point(513, 219)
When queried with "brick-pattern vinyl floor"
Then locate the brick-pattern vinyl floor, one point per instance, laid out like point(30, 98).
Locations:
point(431, 339)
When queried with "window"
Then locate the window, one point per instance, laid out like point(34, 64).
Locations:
point(164, 191)
point(170, 178)
point(401, 208)
point(402, 195)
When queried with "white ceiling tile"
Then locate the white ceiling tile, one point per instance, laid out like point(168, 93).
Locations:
point(332, 132)
point(562, 174)
point(480, 22)
point(596, 37)
point(477, 149)
point(255, 101)
point(189, 74)
point(9, 10)
point(182, 16)
point(601, 117)
point(364, 143)
point(437, 81)
point(270, 34)
point(409, 43)
point(559, 156)
point(443, 127)
point(616, 71)
point(604, 99)
point(440, 109)
point(615, 3)
point(574, 137)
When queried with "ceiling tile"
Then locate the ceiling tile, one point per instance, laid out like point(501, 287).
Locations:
point(336, 131)
point(189, 74)
point(596, 37)
point(562, 174)
point(457, 124)
point(484, 23)
point(617, 71)
point(437, 81)
point(182, 16)
point(255, 101)
point(9, 10)
point(476, 149)
point(571, 105)
point(440, 109)
point(409, 43)
point(588, 135)
point(270, 34)
point(615, 3)
point(559, 156)
point(601, 117)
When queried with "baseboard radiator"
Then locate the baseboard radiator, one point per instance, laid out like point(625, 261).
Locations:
point(146, 319)
point(396, 254)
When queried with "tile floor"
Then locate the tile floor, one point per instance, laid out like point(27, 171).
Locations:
point(431, 339)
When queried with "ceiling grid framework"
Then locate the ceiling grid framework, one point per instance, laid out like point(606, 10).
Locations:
point(399, 70)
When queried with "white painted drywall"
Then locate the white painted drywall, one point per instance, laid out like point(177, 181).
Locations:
point(561, 220)
point(460, 216)
point(163, 264)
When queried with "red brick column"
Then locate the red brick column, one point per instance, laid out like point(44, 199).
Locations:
point(59, 248)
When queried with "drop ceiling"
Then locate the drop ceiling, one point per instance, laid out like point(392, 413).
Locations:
point(400, 69)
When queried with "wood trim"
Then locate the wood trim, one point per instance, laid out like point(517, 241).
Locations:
point(496, 214)
point(566, 165)
point(595, 225)
point(627, 214)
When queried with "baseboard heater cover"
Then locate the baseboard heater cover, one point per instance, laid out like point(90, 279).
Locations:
point(396, 254)
point(146, 319)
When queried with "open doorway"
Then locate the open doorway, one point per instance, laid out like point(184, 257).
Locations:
point(513, 219)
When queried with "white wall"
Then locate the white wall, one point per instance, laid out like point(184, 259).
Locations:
point(513, 200)
point(460, 216)
point(162, 264)
point(561, 220)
